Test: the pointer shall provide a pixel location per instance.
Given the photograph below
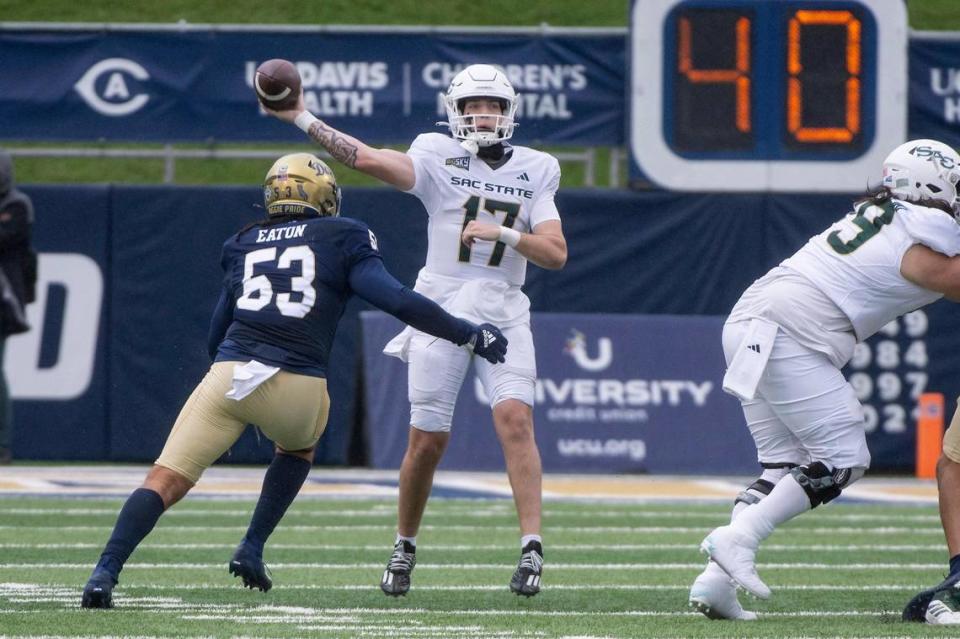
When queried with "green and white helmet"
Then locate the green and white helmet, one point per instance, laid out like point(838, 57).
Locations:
point(924, 171)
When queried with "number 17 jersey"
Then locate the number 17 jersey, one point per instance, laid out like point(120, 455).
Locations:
point(456, 187)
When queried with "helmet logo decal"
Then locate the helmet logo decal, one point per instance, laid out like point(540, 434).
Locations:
point(933, 156)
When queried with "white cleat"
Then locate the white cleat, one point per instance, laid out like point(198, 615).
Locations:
point(943, 609)
point(714, 595)
point(735, 554)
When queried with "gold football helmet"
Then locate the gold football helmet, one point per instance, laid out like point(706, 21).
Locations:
point(301, 183)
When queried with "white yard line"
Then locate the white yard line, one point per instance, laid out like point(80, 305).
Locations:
point(479, 513)
point(442, 548)
point(6, 588)
point(550, 528)
point(489, 566)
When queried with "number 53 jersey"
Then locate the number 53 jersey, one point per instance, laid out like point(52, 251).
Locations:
point(456, 187)
point(856, 262)
point(289, 284)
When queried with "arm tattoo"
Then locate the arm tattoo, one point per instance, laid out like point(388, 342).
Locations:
point(336, 144)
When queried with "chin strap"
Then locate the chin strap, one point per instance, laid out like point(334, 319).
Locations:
point(471, 146)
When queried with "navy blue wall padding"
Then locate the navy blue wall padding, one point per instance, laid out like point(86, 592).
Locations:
point(158, 248)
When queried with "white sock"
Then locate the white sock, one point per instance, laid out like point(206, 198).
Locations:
point(410, 540)
point(526, 539)
point(785, 501)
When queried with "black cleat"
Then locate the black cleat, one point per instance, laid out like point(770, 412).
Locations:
point(249, 566)
point(396, 578)
point(526, 578)
point(98, 593)
point(916, 609)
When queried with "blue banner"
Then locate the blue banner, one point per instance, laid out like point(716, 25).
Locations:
point(935, 88)
point(379, 86)
point(615, 394)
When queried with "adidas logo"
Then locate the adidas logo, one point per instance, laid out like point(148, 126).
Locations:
point(488, 338)
point(524, 177)
point(754, 347)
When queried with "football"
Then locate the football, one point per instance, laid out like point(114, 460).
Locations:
point(277, 83)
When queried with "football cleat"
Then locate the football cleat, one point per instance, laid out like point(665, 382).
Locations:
point(249, 566)
point(916, 609)
point(735, 554)
point(396, 578)
point(944, 608)
point(714, 595)
point(526, 578)
point(98, 593)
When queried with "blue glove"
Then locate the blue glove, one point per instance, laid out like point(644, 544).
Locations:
point(489, 343)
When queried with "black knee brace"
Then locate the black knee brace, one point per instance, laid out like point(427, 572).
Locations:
point(820, 482)
point(761, 486)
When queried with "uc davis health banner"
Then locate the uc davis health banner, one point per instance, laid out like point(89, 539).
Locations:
point(935, 88)
point(615, 393)
point(380, 85)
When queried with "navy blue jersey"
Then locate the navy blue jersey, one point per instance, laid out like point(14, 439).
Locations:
point(290, 285)
point(285, 287)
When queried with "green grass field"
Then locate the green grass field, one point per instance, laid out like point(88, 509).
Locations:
point(613, 570)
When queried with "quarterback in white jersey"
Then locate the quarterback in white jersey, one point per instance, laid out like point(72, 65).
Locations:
point(491, 210)
point(794, 328)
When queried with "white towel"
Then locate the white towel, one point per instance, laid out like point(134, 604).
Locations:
point(743, 374)
point(246, 378)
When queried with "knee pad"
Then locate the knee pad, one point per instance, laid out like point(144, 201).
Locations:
point(772, 473)
point(430, 421)
point(823, 484)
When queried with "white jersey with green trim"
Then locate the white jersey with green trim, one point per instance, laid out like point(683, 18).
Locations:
point(456, 186)
point(856, 262)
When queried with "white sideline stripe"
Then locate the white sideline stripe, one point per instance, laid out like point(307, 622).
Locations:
point(470, 547)
point(566, 566)
point(480, 512)
point(494, 588)
point(830, 530)
point(528, 612)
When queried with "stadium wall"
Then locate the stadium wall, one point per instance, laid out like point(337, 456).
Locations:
point(129, 277)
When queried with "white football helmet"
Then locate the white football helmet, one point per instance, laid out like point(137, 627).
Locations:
point(481, 81)
point(924, 170)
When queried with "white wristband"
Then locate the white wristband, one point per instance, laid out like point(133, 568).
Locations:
point(304, 120)
point(509, 236)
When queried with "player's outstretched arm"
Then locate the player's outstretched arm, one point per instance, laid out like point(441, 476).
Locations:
point(393, 167)
point(370, 280)
point(546, 247)
point(932, 270)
